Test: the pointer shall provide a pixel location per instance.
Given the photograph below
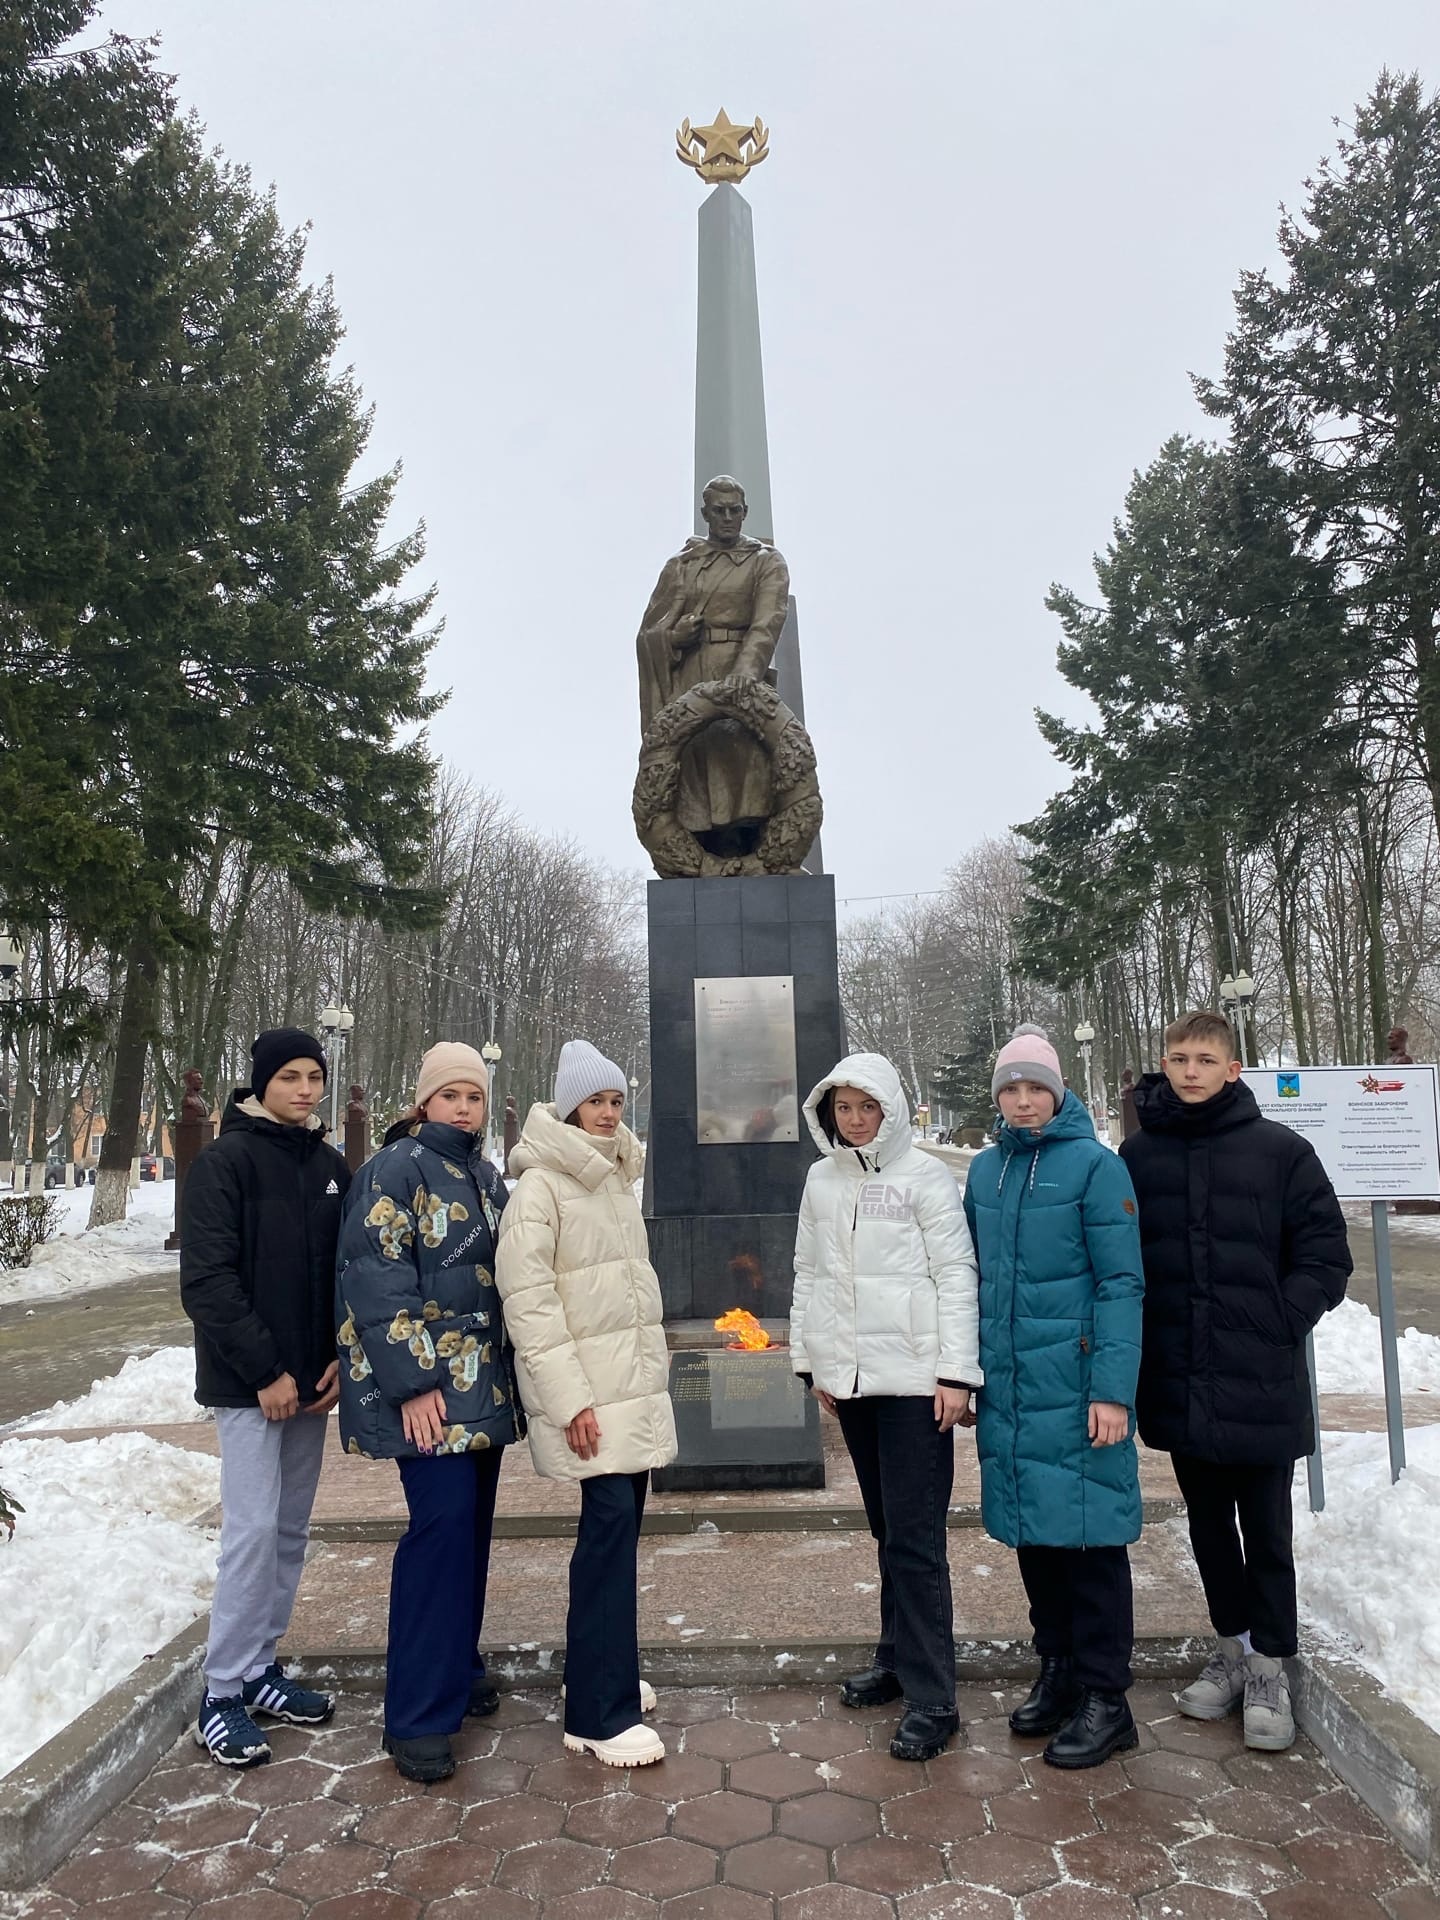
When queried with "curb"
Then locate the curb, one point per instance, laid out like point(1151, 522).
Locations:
point(1378, 1747)
point(52, 1799)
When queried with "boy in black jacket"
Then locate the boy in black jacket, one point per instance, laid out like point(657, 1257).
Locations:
point(1244, 1246)
point(257, 1277)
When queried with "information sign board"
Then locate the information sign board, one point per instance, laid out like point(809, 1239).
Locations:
point(745, 1071)
point(1376, 1129)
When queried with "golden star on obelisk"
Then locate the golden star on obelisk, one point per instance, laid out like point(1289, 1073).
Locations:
point(722, 151)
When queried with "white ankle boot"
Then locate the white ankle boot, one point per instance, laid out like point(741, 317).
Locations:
point(637, 1746)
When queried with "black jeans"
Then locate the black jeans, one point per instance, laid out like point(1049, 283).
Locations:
point(906, 1468)
point(1249, 1589)
point(1082, 1609)
point(437, 1591)
point(602, 1657)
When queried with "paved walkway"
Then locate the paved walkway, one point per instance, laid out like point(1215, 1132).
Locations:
point(770, 1805)
point(1415, 1259)
point(54, 1349)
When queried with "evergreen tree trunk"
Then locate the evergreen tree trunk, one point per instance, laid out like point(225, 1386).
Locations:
point(127, 1092)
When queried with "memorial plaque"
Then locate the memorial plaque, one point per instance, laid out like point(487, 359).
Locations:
point(745, 1077)
point(744, 1421)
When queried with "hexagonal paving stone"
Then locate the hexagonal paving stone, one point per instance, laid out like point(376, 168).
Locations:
point(551, 1867)
point(1068, 1902)
point(936, 1814)
point(212, 1823)
point(1184, 1901)
point(1037, 1815)
point(1252, 1814)
point(284, 1783)
point(779, 1706)
point(1240, 1866)
point(1126, 1863)
point(534, 1743)
point(575, 1776)
point(314, 1823)
point(955, 1903)
point(1212, 1739)
point(829, 1819)
point(206, 1876)
point(1187, 1775)
point(615, 1820)
point(321, 1872)
point(419, 1822)
point(501, 1904)
point(513, 1822)
point(778, 1776)
point(1159, 1816)
point(718, 1903)
point(1415, 1901)
point(680, 1776)
point(875, 1776)
point(373, 1904)
point(776, 1866)
point(1308, 1902)
point(970, 1770)
point(1350, 1860)
point(728, 1739)
point(591, 1903)
point(451, 1866)
point(687, 1707)
point(1297, 1775)
point(724, 1819)
point(885, 1865)
point(1346, 1813)
point(821, 1739)
point(1003, 1861)
point(112, 1871)
point(663, 1867)
point(835, 1902)
point(260, 1903)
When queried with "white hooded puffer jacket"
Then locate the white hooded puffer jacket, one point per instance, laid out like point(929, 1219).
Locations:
point(886, 1286)
point(581, 1300)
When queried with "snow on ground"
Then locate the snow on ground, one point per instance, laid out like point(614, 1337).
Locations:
point(1369, 1565)
point(1347, 1354)
point(75, 1261)
point(102, 1571)
point(157, 1389)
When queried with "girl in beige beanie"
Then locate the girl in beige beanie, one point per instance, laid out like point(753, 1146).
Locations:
point(426, 1381)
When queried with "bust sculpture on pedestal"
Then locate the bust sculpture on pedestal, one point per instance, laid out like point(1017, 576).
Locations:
point(727, 773)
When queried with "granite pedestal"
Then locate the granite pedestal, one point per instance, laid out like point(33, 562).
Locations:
point(721, 1217)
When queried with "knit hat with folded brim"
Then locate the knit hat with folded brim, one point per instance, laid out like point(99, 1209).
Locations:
point(1028, 1055)
point(450, 1063)
point(583, 1071)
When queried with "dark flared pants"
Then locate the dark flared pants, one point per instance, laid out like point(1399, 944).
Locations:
point(602, 1654)
point(437, 1591)
point(1082, 1609)
point(906, 1469)
point(1249, 1587)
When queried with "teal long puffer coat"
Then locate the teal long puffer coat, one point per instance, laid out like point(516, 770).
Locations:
point(1054, 1223)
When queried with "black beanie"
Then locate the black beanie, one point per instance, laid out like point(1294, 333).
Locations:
point(271, 1051)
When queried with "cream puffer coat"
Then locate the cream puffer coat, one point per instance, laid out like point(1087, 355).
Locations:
point(886, 1286)
point(581, 1300)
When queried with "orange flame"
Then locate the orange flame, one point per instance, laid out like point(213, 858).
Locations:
point(749, 1334)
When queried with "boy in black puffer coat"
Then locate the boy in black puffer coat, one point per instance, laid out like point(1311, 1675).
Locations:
point(1245, 1248)
point(261, 1218)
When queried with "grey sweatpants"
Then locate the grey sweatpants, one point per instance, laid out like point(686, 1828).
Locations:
point(269, 1470)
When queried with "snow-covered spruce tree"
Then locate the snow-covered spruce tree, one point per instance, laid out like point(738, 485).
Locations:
point(212, 639)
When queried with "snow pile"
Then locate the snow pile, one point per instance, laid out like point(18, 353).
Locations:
point(157, 1389)
point(102, 1571)
point(76, 1261)
point(1369, 1565)
point(1347, 1354)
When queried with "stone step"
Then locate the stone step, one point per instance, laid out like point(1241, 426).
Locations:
point(710, 1600)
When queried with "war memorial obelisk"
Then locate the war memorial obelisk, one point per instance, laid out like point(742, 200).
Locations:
point(744, 985)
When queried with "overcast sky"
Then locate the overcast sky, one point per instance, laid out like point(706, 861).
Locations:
point(992, 241)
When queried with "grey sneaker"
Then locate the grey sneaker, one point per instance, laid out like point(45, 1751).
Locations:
point(1219, 1687)
point(1269, 1723)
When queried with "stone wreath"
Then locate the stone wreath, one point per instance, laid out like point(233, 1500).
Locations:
point(795, 819)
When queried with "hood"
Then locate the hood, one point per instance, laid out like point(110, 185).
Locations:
point(1160, 1109)
point(1073, 1121)
point(548, 1141)
point(873, 1074)
point(244, 1111)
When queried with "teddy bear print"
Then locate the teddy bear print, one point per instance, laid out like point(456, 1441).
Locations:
point(396, 1228)
point(464, 1357)
point(350, 1341)
point(413, 1334)
point(434, 1216)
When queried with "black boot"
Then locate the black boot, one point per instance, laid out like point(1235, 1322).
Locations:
point(1100, 1726)
point(1053, 1698)
point(484, 1697)
point(920, 1736)
point(870, 1689)
point(426, 1759)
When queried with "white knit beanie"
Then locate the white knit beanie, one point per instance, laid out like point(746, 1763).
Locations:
point(450, 1062)
point(584, 1070)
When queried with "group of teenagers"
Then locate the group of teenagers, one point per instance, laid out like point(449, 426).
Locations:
point(1070, 1298)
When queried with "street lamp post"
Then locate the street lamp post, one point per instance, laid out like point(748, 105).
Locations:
point(1238, 991)
point(336, 1023)
point(12, 958)
point(491, 1054)
point(1085, 1040)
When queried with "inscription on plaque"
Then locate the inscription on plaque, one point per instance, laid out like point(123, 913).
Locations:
point(745, 1073)
point(743, 1420)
